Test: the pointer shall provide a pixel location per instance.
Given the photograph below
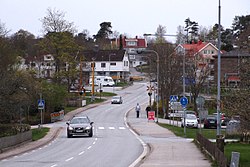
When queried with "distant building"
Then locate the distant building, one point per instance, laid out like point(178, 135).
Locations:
point(230, 63)
point(201, 54)
point(131, 45)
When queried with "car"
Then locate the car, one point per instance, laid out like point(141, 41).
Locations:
point(79, 125)
point(210, 122)
point(224, 119)
point(116, 100)
point(190, 121)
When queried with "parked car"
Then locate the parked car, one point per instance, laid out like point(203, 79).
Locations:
point(79, 125)
point(190, 121)
point(210, 122)
point(116, 100)
point(224, 119)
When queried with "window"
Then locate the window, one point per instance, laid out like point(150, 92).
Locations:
point(113, 64)
point(205, 52)
point(103, 65)
point(125, 63)
point(212, 51)
point(131, 43)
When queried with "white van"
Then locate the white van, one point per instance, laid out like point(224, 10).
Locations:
point(102, 80)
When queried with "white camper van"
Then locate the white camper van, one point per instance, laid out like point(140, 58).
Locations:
point(103, 80)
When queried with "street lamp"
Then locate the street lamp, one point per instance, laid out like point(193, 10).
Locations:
point(219, 73)
point(157, 76)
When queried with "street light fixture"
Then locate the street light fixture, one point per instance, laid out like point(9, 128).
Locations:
point(157, 76)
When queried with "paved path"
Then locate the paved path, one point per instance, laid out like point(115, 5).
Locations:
point(166, 149)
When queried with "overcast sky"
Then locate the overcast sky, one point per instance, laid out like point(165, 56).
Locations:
point(132, 17)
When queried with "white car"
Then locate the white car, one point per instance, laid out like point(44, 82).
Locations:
point(116, 100)
point(190, 121)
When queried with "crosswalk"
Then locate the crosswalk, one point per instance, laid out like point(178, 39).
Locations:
point(111, 128)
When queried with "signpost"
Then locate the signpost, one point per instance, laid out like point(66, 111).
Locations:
point(41, 106)
point(184, 102)
point(200, 101)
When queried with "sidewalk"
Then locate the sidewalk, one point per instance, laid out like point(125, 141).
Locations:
point(166, 149)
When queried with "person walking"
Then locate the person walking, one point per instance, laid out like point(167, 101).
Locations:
point(137, 109)
point(148, 108)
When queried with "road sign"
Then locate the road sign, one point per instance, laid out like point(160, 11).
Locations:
point(151, 115)
point(173, 98)
point(200, 100)
point(41, 104)
point(150, 88)
point(184, 101)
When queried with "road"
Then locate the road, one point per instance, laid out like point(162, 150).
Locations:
point(113, 144)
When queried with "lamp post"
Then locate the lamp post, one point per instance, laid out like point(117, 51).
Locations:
point(157, 76)
point(219, 73)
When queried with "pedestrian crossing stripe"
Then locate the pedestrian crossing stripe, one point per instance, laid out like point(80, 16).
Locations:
point(111, 128)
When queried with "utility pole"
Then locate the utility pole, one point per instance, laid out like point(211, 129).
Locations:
point(93, 81)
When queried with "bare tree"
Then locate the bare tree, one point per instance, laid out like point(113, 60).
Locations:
point(55, 21)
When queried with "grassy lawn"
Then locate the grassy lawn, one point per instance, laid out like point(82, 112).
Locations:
point(191, 132)
point(39, 133)
point(243, 149)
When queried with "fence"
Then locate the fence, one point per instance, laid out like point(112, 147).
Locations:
point(213, 150)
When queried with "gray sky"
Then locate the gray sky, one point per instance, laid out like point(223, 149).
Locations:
point(132, 17)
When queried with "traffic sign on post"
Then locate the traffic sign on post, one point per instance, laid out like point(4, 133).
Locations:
point(41, 104)
point(173, 98)
point(184, 101)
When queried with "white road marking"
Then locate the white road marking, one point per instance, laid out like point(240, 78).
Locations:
point(111, 128)
point(69, 159)
point(100, 127)
point(122, 128)
point(54, 165)
point(89, 147)
point(81, 153)
point(94, 142)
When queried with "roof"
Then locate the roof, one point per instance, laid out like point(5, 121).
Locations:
point(104, 55)
point(196, 47)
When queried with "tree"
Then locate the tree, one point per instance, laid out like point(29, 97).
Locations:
point(169, 72)
point(180, 39)
point(59, 41)
point(102, 36)
point(241, 30)
point(192, 29)
point(25, 43)
point(3, 30)
point(55, 21)
point(160, 32)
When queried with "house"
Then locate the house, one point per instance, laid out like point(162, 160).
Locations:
point(114, 63)
point(43, 65)
point(230, 63)
point(201, 54)
point(131, 45)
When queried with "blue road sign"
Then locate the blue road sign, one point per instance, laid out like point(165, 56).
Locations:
point(173, 98)
point(184, 101)
point(41, 104)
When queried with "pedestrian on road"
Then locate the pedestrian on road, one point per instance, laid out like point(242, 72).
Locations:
point(137, 109)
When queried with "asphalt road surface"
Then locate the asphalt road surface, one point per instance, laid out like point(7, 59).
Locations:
point(113, 143)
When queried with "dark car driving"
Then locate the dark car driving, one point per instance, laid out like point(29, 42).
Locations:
point(79, 125)
point(210, 122)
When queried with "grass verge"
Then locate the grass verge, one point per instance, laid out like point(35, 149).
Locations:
point(242, 148)
point(39, 133)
